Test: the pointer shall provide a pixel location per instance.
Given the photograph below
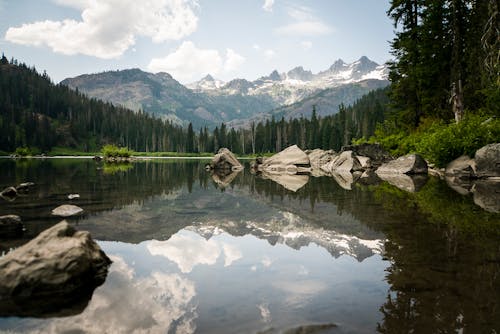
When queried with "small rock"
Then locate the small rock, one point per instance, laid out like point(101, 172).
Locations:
point(10, 226)
point(73, 196)
point(408, 164)
point(9, 192)
point(24, 187)
point(67, 210)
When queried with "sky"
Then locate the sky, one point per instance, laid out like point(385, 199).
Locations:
point(192, 38)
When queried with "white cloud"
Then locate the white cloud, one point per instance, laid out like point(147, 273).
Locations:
point(305, 23)
point(188, 63)
point(109, 27)
point(269, 54)
point(306, 45)
point(158, 303)
point(268, 5)
point(233, 60)
point(188, 250)
point(256, 47)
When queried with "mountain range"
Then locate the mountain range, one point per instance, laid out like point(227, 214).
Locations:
point(211, 101)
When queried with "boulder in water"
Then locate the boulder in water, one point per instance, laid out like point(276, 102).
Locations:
point(291, 160)
point(67, 210)
point(487, 161)
point(225, 159)
point(51, 272)
point(408, 164)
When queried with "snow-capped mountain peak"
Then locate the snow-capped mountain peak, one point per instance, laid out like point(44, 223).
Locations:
point(206, 83)
point(298, 83)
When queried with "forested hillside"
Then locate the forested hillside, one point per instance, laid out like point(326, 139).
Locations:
point(38, 114)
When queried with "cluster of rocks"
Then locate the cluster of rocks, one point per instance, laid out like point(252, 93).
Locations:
point(366, 163)
point(479, 176)
point(53, 274)
point(10, 193)
point(370, 164)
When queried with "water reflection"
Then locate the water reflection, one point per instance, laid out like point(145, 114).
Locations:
point(257, 256)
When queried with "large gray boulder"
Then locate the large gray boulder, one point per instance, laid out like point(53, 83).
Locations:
point(225, 159)
point(487, 161)
point(408, 164)
point(319, 157)
point(461, 168)
point(291, 160)
point(346, 162)
point(375, 152)
point(50, 271)
point(10, 226)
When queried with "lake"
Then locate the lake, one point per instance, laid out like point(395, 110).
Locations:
point(195, 252)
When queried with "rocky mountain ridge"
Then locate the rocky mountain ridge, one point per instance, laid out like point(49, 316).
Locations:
point(209, 102)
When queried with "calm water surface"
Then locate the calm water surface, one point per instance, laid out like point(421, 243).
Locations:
point(192, 254)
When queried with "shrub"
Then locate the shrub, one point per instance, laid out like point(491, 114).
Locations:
point(112, 151)
point(442, 144)
point(23, 151)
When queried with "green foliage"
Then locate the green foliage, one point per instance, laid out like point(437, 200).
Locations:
point(23, 151)
point(112, 151)
point(443, 143)
point(26, 151)
point(440, 142)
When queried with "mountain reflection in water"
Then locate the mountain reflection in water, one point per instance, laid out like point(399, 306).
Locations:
point(248, 255)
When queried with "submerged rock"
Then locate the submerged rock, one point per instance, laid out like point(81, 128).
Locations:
point(67, 210)
point(58, 269)
point(408, 164)
point(10, 226)
point(225, 159)
point(487, 161)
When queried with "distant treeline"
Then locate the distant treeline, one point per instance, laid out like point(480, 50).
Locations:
point(36, 113)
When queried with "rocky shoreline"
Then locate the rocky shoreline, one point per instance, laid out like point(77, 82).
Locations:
point(370, 164)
